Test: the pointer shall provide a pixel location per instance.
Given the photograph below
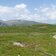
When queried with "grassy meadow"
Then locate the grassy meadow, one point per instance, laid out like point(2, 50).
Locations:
point(38, 40)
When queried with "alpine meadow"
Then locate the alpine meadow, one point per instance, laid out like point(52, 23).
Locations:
point(37, 40)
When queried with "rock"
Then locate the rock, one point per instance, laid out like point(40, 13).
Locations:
point(18, 55)
point(54, 36)
point(18, 44)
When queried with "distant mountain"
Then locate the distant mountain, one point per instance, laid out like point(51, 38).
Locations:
point(17, 22)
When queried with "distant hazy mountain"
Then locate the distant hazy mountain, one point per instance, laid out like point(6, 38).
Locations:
point(17, 22)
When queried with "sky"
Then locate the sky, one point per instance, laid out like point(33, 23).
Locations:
point(32, 10)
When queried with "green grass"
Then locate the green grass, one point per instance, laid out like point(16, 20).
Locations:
point(40, 28)
point(38, 41)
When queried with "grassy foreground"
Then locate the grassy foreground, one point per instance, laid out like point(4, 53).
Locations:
point(38, 40)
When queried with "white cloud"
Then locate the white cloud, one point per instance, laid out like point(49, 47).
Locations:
point(21, 6)
point(49, 12)
point(17, 12)
point(20, 11)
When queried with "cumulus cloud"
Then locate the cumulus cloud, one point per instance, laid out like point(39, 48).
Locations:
point(49, 12)
point(9, 13)
point(21, 6)
point(45, 14)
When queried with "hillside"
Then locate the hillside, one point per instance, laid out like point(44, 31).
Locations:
point(39, 28)
point(35, 40)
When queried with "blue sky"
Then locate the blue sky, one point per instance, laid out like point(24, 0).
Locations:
point(35, 10)
point(30, 3)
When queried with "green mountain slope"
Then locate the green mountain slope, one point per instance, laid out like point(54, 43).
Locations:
point(37, 40)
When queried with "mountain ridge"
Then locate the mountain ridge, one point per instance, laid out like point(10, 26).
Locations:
point(17, 22)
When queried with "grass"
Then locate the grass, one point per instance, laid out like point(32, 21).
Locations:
point(38, 41)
